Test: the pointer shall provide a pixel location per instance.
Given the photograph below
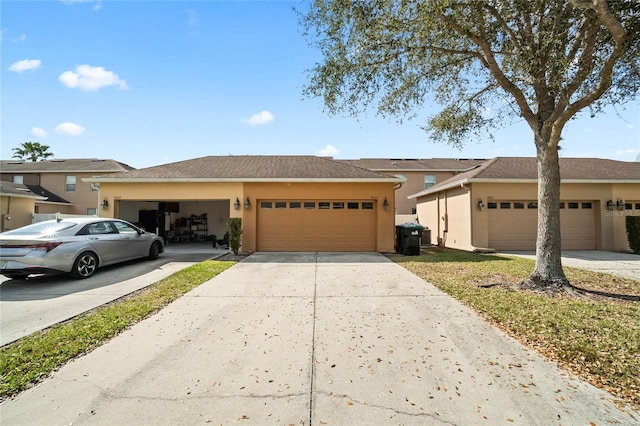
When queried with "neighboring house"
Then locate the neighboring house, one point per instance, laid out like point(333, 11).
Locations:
point(287, 203)
point(494, 206)
point(420, 174)
point(60, 182)
point(16, 204)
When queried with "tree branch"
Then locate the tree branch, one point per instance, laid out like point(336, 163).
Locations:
point(489, 61)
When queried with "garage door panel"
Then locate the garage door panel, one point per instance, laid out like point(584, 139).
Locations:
point(516, 229)
point(316, 229)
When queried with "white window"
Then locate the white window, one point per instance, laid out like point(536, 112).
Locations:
point(92, 211)
point(70, 184)
point(429, 181)
point(18, 179)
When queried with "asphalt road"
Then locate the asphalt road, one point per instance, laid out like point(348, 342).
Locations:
point(30, 305)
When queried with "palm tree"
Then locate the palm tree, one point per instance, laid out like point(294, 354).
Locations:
point(32, 151)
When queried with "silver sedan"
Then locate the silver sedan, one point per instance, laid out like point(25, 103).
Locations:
point(78, 246)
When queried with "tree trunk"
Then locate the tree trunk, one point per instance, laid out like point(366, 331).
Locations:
point(548, 274)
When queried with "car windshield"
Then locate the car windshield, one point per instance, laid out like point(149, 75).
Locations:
point(41, 228)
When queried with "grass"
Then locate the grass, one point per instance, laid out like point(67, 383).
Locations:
point(34, 357)
point(598, 339)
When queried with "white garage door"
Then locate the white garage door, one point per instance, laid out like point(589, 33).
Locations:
point(293, 225)
point(513, 225)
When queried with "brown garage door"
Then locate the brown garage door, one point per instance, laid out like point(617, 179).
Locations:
point(513, 225)
point(292, 225)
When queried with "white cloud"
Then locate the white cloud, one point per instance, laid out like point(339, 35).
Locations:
point(25, 65)
point(97, 6)
point(38, 132)
point(328, 151)
point(20, 39)
point(260, 118)
point(89, 78)
point(70, 129)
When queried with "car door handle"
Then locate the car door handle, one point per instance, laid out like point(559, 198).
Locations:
point(94, 238)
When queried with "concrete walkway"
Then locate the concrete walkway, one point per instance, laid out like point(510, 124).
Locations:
point(313, 339)
point(624, 265)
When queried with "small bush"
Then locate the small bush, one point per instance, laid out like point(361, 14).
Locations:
point(235, 233)
point(633, 233)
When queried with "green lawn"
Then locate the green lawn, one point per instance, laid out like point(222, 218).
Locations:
point(597, 339)
point(32, 358)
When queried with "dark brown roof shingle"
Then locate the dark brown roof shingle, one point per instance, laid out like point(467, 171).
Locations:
point(251, 167)
point(525, 168)
point(89, 165)
point(418, 164)
point(16, 189)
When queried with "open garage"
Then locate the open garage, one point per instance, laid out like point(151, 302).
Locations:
point(286, 203)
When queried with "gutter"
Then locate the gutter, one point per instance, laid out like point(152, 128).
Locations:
point(244, 180)
point(466, 181)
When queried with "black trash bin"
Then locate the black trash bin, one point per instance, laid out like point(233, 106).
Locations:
point(408, 238)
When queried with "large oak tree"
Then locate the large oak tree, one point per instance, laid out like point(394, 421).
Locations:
point(486, 62)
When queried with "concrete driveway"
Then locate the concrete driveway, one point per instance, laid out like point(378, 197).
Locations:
point(624, 265)
point(313, 339)
point(27, 306)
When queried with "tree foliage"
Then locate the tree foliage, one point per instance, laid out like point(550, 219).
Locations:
point(32, 151)
point(484, 61)
point(487, 62)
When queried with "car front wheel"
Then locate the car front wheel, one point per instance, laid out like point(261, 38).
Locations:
point(154, 251)
point(85, 265)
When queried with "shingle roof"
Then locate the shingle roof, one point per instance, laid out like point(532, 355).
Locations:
point(525, 169)
point(251, 168)
point(88, 165)
point(51, 197)
point(17, 190)
point(419, 164)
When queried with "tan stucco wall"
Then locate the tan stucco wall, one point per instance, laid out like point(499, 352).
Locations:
point(192, 191)
point(82, 198)
point(16, 212)
point(448, 216)
point(413, 185)
point(429, 216)
point(610, 228)
point(167, 191)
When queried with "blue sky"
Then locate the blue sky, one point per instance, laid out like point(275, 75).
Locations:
point(153, 82)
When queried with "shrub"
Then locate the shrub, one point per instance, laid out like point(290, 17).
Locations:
point(633, 233)
point(234, 230)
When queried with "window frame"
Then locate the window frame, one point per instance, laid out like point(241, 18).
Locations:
point(70, 187)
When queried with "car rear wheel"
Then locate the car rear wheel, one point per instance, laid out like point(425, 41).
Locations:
point(85, 265)
point(154, 251)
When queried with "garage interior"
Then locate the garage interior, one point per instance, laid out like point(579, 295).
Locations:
point(179, 221)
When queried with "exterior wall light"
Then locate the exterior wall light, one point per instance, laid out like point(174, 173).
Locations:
point(480, 205)
point(620, 204)
point(247, 204)
point(236, 205)
point(610, 205)
point(105, 204)
point(385, 204)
